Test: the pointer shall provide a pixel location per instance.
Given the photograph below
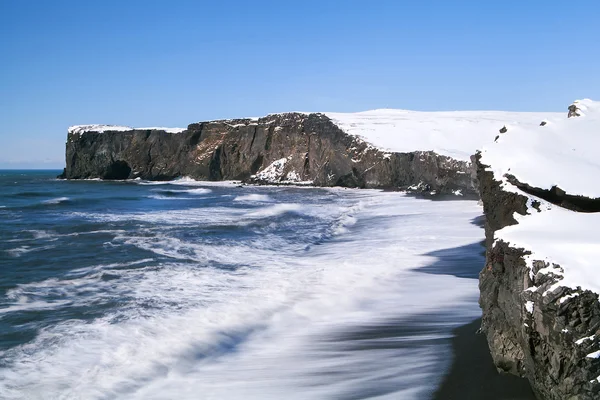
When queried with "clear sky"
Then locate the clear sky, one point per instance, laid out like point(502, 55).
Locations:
point(170, 63)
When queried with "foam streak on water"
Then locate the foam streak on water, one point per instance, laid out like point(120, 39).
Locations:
point(253, 293)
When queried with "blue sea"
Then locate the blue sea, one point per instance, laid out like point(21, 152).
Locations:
point(200, 290)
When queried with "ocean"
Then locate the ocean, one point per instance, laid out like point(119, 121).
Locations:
point(200, 290)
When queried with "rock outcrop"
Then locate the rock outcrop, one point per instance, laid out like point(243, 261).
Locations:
point(536, 328)
point(280, 149)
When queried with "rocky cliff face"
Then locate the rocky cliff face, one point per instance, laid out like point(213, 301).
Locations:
point(535, 328)
point(282, 148)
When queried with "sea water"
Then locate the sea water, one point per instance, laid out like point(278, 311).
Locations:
point(197, 290)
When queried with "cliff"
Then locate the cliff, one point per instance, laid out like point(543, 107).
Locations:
point(539, 287)
point(283, 148)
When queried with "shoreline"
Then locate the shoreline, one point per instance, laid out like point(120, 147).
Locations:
point(472, 374)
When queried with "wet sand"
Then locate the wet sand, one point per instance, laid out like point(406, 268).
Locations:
point(473, 376)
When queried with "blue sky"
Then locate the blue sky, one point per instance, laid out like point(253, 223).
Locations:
point(170, 63)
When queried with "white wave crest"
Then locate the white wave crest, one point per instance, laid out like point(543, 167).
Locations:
point(57, 200)
point(19, 251)
point(161, 197)
point(254, 197)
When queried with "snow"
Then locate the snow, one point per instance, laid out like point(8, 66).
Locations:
point(529, 307)
point(293, 176)
point(79, 129)
point(161, 128)
point(580, 341)
point(273, 172)
point(568, 297)
point(595, 354)
point(567, 238)
point(565, 152)
point(456, 134)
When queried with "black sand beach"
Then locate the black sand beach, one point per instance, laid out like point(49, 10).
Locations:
point(473, 375)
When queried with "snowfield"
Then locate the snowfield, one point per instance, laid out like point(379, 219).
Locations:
point(565, 152)
point(457, 134)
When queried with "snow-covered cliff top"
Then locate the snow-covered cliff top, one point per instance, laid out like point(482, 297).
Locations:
point(78, 129)
point(457, 134)
point(565, 152)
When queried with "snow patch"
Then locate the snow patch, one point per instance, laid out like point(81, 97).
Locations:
point(568, 297)
point(79, 129)
point(529, 307)
point(580, 341)
point(273, 172)
point(595, 354)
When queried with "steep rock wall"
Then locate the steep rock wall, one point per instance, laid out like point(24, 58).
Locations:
point(282, 148)
point(532, 331)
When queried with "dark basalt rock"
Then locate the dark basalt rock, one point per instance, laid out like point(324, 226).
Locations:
point(559, 197)
point(316, 150)
point(573, 111)
point(540, 345)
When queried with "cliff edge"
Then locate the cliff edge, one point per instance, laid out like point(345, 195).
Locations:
point(397, 149)
point(539, 287)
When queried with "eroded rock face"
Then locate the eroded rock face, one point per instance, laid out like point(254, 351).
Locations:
point(282, 148)
point(532, 331)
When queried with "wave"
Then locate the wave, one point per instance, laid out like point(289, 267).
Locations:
point(162, 197)
point(42, 234)
point(254, 197)
point(280, 325)
point(57, 200)
point(24, 304)
point(247, 315)
point(206, 217)
point(275, 210)
point(187, 181)
point(196, 191)
point(21, 250)
point(68, 201)
point(81, 287)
